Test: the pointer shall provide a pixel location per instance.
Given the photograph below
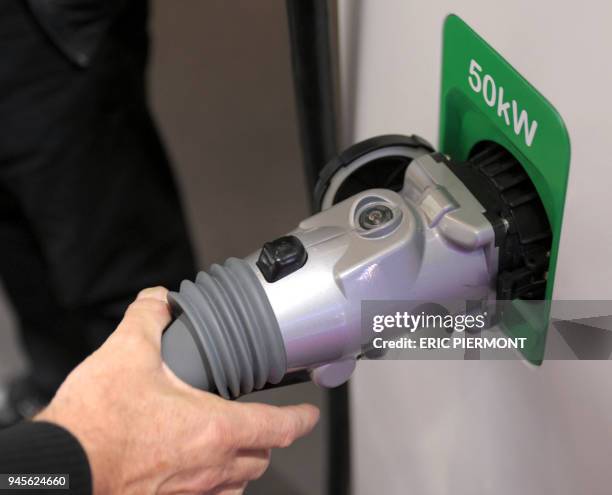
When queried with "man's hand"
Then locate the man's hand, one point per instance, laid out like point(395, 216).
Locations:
point(145, 431)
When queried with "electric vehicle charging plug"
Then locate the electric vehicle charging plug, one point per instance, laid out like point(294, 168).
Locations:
point(295, 306)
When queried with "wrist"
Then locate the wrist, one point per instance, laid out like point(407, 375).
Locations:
point(100, 463)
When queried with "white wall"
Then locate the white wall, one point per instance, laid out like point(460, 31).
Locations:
point(489, 427)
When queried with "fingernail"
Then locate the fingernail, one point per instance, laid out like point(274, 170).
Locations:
point(158, 293)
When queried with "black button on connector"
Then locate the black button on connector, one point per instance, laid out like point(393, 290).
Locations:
point(281, 257)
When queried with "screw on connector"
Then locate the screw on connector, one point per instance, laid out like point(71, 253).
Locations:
point(375, 216)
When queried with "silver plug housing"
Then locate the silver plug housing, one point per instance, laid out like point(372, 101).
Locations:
point(236, 331)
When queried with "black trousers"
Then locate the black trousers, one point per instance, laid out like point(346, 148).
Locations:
point(89, 210)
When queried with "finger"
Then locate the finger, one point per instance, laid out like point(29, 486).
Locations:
point(232, 489)
point(248, 465)
point(261, 426)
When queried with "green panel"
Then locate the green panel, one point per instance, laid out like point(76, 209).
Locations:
point(483, 98)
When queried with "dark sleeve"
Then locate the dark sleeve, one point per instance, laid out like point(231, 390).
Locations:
point(45, 448)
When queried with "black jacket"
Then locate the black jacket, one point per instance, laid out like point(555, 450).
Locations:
point(45, 448)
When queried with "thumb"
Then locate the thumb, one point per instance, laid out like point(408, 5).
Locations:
point(147, 316)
